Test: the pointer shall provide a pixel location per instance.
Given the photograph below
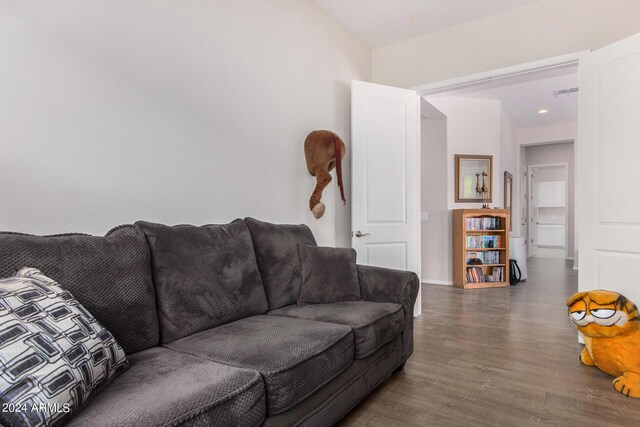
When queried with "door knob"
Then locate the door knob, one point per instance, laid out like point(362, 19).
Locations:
point(361, 234)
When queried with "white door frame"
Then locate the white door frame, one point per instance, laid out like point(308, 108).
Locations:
point(555, 62)
point(565, 167)
point(532, 250)
point(568, 60)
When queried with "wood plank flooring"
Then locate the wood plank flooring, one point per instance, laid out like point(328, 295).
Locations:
point(498, 357)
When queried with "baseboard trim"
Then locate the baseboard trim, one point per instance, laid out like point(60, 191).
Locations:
point(437, 282)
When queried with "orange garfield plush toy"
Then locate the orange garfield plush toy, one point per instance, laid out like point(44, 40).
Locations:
point(611, 329)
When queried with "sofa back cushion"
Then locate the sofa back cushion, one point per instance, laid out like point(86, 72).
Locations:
point(328, 275)
point(276, 248)
point(110, 276)
point(204, 276)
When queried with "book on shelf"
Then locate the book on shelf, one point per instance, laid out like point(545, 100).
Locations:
point(476, 275)
point(498, 274)
point(484, 242)
point(487, 257)
point(479, 224)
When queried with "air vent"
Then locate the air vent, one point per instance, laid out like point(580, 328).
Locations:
point(568, 92)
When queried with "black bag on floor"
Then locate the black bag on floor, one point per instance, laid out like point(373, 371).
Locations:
point(514, 272)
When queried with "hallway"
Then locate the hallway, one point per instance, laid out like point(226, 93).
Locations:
point(498, 357)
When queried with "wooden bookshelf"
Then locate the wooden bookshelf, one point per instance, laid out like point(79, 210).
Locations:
point(493, 223)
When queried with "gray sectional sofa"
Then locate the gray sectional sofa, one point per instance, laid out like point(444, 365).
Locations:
point(208, 319)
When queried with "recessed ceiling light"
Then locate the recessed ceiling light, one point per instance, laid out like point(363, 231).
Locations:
point(543, 111)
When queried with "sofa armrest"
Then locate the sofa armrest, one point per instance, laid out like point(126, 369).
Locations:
point(397, 286)
point(386, 285)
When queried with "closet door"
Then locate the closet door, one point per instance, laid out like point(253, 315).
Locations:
point(545, 194)
point(558, 194)
point(545, 236)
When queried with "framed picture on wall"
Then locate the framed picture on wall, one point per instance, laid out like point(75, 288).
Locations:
point(474, 178)
point(508, 196)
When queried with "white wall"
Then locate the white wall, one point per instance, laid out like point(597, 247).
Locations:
point(177, 112)
point(473, 126)
point(436, 231)
point(564, 132)
point(534, 31)
point(508, 158)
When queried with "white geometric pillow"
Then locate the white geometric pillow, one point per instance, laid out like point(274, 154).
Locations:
point(53, 353)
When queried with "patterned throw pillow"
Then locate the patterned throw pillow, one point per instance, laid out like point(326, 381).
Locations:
point(53, 354)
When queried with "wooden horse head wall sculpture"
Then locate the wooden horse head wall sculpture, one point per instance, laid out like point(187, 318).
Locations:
point(321, 150)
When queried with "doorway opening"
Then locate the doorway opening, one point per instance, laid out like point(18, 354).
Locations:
point(550, 228)
point(524, 120)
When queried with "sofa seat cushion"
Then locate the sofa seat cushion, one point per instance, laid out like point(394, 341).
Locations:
point(295, 357)
point(163, 387)
point(373, 323)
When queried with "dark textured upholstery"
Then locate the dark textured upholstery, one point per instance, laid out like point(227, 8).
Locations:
point(373, 323)
point(397, 286)
point(333, 401)
point(295, 357)
point(204, 276)
point(328, 275)
point(163, 387)
point(276, 247)
point(293, 371)
point(110, 276)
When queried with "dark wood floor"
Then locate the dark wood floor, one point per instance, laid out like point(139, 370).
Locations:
point(498, 357)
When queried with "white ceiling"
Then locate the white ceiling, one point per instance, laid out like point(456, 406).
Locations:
point(522, 97)
point(382, 22)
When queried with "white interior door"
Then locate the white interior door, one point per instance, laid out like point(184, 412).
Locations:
point(385, 214)
point(608, 159)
